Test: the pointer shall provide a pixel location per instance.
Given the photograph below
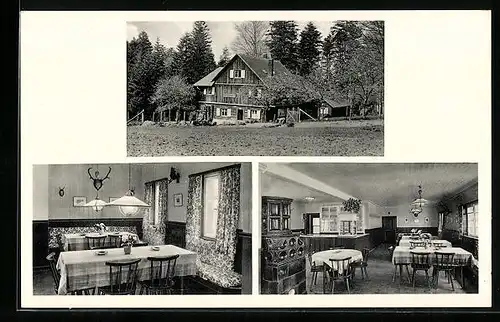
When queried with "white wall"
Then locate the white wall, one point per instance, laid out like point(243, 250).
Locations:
point(405, 219)
point(41, 192)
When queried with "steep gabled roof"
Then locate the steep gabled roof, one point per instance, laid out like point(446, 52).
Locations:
point(209, 79)
point(260, 66)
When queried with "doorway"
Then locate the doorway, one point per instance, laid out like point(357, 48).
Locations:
point(389, 225)
point(311, 224)
point(240, 114)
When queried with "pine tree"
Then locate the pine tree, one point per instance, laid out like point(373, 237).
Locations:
point(203, 62)
point(140, 86)
point(282, 43)
point(224, 57)
point(309, 49)
point(182, 58)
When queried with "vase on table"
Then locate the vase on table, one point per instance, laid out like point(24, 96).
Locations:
point(127, 249)
point(101, 232)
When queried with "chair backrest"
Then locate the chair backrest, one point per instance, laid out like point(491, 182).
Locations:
point(95, 242)
point(309, 258)
point(123, 276)
point(420, 259)
point(417, 243)
point(162, 270)
point(444, 260)
point(115, 240)
point(366, 253)
point(343, 266)
point(51, 258)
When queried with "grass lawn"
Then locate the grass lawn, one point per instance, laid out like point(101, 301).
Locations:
point(340, 138)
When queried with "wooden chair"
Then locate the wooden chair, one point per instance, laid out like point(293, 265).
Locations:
point(342, 273)
point(444, 262)
point(95, 242)
point(118, 285)
point(315, 269)
point(161, 272)
point(51, 258)
point(420, 262)
point(56, 275)
point(362, 265)
point(115, 240)
point(417, 243)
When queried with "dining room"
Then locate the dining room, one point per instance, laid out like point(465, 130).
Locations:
point(369, 228)
point(142, 229)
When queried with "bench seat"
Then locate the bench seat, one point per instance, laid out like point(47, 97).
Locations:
point(222, 277)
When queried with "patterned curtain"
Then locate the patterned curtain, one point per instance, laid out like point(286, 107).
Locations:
point(460, 220)
point(229, 211)
point(155, 234)
point(194, 211)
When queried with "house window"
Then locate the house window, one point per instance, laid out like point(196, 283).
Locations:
point(209, 91)
point(470, 219)
point(210, 205)
point(259, 92)
point(223, 111)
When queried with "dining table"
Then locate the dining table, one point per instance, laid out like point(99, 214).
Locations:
point(442, 242)
point(323, 257)
point(77, 241)
point(85, 269)
point(462, 258)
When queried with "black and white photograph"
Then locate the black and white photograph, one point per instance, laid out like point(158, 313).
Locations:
point(369, 228)
point(140, 244)
point(266, 88)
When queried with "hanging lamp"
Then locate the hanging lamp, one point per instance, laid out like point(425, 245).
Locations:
point(96, 204)
point(128, 204)
point(416, 205)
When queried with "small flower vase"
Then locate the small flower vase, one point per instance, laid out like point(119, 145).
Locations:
point(127, 249)
point(101, 231)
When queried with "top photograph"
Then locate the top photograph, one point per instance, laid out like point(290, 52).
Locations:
point(255, 88)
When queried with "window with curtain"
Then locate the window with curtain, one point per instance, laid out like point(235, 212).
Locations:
point(210, 204)
point(470, 219)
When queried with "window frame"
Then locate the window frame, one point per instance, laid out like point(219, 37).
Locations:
point(223, 111)
point(202, 230)
point(464, 213)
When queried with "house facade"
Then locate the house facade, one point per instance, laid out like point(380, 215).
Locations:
point(230, 94)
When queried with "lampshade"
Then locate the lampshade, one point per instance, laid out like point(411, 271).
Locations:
point(97, 204)
point(415, 211)
point(129, 205)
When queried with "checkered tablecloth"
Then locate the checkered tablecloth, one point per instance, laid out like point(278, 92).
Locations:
point(72, 242)
point(324, 257)
point(444, 243)
point(83, 269)
point(402, 255)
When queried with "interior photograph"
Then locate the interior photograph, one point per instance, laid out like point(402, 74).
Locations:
point(142, 229)
point(369, 228)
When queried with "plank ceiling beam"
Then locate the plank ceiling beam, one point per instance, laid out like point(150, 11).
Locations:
point(293, 175)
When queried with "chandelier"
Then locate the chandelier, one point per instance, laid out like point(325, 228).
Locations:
point(128, 204)
point(417, 204)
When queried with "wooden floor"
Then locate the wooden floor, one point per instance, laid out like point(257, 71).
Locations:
point(380, 272)
point(43, 284)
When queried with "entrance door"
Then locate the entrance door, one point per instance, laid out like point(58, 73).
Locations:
point(389, 225)
point(240, 114)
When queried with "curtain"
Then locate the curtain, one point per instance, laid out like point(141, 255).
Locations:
point(155, 234)
point(194, 211)
point(229, 211)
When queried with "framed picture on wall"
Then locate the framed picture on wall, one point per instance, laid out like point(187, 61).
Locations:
point(178, 200)
point(79, 201)
point(111, 199)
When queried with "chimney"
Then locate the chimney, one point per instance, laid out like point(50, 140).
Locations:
point(270, 65)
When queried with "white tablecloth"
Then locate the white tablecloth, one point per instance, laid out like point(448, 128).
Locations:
point(324, 256)
point(83, 269)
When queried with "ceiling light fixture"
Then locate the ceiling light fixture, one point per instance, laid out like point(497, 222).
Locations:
point(417, 204)
point(128, 204)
